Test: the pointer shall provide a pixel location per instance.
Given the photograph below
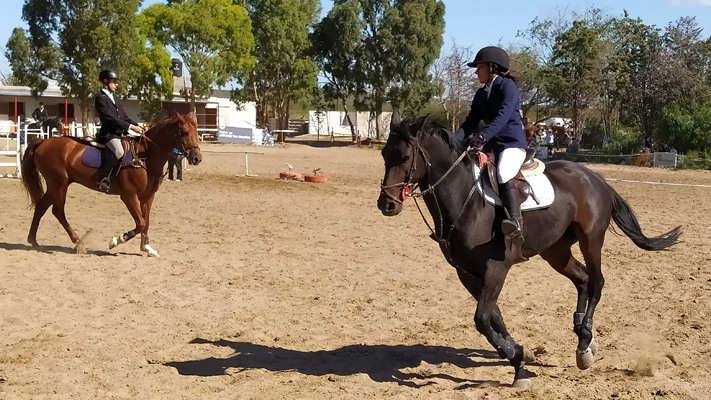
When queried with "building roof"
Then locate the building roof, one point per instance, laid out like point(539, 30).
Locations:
point(56, 91)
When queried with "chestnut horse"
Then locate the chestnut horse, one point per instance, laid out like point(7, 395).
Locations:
point(468, 229)
point(59, 161)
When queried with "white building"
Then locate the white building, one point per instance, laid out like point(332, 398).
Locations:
point(327, 122)
point(216, 111)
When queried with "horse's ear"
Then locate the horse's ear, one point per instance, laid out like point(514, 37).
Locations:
point(414, 128)
point(181, 118)
point(395, 120)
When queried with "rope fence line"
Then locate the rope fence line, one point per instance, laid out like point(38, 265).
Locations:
point(658, 183)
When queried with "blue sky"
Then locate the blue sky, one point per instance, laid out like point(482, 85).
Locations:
point(480, 23)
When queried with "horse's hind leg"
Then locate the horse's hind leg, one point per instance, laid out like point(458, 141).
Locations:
point(591, 247)
point(561, 259)
point(60, 199)
point(40, 210)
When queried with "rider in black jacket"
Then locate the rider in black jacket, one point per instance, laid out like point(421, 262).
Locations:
point(114, 124)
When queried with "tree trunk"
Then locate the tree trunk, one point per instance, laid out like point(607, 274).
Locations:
point(84, 117)
point(350, 123)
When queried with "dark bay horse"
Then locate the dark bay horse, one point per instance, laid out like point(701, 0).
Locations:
point(471, 239)
point(48, 125)
point(59, 161)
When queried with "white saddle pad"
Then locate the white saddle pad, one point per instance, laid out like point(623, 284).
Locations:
point(540, 185)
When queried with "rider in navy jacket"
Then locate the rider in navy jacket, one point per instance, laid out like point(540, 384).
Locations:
point(501, 113)
point(498, 105)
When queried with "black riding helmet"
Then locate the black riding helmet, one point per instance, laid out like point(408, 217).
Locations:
point(491, 55)
point(107, 74)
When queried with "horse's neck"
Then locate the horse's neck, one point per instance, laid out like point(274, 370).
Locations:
point(158, 150)
point(452, 192)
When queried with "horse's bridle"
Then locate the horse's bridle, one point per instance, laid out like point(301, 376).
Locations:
point(179, 135)
point(408, 187)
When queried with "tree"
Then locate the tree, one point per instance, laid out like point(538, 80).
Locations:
point(417, 29)
point(526, 66)
point(400, 41)
point(636, 67)
point(71, 41)
point(336, 41)
point(213, 37)
point(456, 83)
point(31, 65)
point(284, 70)
point(573, 74)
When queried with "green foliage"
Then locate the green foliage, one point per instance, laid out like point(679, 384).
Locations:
point(687, 127)
point(213, 38)
point(623, 141)
point(285, 70)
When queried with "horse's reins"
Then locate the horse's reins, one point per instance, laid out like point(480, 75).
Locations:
point(178, 134)
point(406, 191)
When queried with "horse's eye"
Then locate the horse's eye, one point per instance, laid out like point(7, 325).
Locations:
point(405, 157)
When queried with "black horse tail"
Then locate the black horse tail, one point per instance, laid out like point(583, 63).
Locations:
point(625, 219)
point(31, 179)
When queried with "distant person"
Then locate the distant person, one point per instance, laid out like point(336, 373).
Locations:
point(550, 140)
point(175, 160)
point(573, 148)
point(40, 116)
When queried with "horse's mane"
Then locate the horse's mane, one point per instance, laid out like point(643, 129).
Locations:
point(157, 127)
point(435, 130)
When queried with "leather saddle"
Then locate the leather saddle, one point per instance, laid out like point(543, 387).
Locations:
point(524, 187)
point(95, 153)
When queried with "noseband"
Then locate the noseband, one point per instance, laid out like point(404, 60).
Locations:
point(407, 185)
point(178, 135)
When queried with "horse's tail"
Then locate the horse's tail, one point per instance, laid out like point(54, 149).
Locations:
point(625, 219)
point(31, 178)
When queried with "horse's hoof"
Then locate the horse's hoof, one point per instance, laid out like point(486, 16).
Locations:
point(80, 248)
point(528, 355)
point(113, 243)
point(151, 253)
point(593, 347)
point(585, 359)
point(522, 384)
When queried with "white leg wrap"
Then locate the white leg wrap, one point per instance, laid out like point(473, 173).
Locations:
point(115, 241)
point(151, 252)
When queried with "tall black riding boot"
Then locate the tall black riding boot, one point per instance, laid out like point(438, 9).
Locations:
point(511, 227)
point(105, 170)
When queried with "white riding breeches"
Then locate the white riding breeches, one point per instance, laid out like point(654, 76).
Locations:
point(510, 162)
point(115, 146)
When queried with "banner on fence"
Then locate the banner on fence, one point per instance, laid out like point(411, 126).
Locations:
point(665, 159)
point(233, 134)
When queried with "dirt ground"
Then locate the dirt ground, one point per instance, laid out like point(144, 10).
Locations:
point(268, 289)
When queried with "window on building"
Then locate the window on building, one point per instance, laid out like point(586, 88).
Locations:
point(70, 110)
point(20, 109)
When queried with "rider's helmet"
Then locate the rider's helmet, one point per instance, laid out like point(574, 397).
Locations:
point(107, 75)
point(492, 55)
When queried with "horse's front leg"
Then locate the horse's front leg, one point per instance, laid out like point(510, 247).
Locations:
point(145, 244)
point(489, 323)
point(134, 207)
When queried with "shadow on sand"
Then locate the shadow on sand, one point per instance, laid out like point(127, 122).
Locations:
point(380, 362)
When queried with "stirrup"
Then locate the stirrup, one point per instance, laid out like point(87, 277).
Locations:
point(104, 184)
point(516, 234)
